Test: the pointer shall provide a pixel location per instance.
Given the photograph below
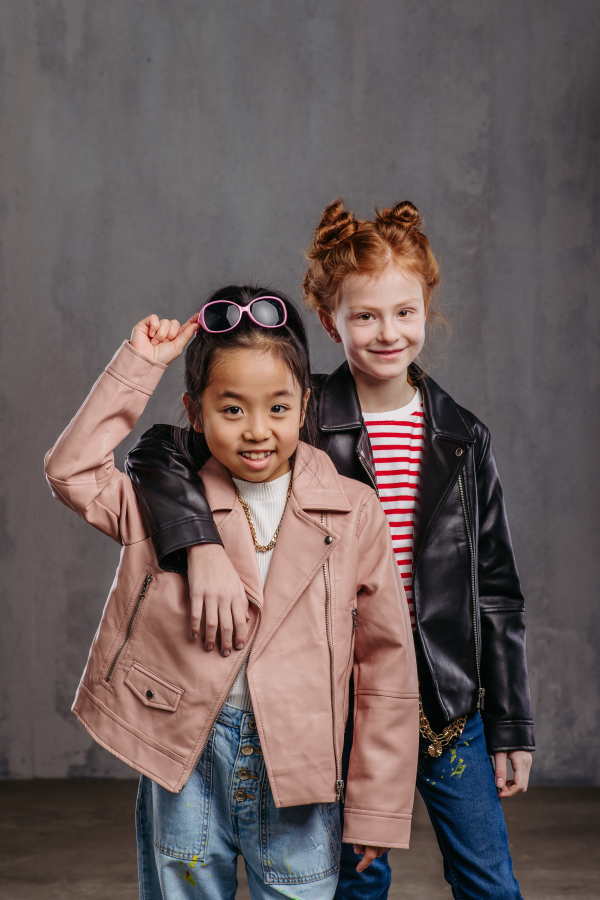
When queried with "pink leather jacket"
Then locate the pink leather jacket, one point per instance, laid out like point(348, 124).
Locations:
point(333, 600)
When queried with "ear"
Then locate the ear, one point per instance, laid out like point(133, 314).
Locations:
point(192, 413)
point(304, 405)
point(329, 325)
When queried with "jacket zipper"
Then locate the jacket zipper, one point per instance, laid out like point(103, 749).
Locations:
point(481, 690)
point(235, 675)
point(368, 471)
point(339, 784)
point(138, 603)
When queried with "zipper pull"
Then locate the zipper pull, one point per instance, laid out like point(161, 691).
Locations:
point(480, 696)
point(354, 618)
point(339, 788)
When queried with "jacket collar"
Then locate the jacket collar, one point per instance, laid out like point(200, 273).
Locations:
point(316, 483)
point(339, 407)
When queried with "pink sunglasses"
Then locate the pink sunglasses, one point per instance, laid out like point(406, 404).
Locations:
point(224, 315)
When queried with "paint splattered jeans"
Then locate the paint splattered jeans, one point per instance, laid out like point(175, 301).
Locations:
point(461, 798)
point(188, 843)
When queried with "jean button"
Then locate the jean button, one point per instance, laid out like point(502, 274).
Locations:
point(243, 774)
point(252, 724)
point(247, 750)
point(240, 795)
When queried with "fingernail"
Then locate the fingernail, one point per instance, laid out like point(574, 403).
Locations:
point(209, 646)
point(194, 634)
point(499, 782)
point(240, 646)
point(225, 652)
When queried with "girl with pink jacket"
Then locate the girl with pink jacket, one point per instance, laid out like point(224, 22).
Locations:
point(241, 754)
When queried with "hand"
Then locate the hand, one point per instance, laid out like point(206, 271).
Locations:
point(215, 587)
point(521, 761)
point(162, 340)
point(368, 855)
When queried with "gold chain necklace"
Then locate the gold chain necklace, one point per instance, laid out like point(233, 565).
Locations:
point(451, 732)
point(260, 548)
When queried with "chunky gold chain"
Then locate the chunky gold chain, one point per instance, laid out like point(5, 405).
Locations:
point(260, 548)
point(451, 732)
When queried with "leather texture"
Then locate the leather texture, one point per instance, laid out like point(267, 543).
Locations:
point(469, 607)
point(150, 694)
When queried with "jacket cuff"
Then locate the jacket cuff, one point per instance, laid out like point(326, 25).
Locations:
point(171, 541)
point(135, 369)
point(361, 826)
point(506, 736)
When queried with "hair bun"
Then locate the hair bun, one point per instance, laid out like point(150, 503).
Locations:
point(404, 213)
point(336, 225)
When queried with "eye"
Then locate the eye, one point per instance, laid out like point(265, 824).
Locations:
point(405, 313)
point(233, 410)
point(364, 317)
point(278, 408)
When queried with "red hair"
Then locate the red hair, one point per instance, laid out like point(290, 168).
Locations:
point(344, 245)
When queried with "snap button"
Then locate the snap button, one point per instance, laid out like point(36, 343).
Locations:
point(247, 750)
point(329, 539)
point(244, 774)
point(252, 724)
point(240, 795)
point(149, 694)
point(459, 451)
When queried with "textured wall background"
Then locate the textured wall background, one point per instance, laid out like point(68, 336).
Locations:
point(152, 150)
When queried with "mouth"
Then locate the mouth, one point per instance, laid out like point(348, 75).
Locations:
point(256, 459)
point(389, 354)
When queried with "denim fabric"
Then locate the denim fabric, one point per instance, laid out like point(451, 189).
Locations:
point(188, 843)
point(460, 795)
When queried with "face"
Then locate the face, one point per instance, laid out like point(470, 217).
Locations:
point(380, 321)
point(252, 412)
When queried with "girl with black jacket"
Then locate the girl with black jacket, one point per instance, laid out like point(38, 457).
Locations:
point(386, 423)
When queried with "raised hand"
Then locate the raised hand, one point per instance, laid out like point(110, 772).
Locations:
point(162, 340)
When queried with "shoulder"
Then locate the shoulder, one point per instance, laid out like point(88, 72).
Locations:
point(447, 417)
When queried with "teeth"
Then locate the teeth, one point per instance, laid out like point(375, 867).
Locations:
point(253, 455)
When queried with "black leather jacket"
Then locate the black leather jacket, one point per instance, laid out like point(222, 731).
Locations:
point(468, 603)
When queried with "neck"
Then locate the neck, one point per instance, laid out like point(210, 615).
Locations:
point(379, 395)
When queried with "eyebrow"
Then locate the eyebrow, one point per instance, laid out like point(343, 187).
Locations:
point(241, 398)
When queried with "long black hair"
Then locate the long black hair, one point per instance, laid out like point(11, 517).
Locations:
point(288, 342)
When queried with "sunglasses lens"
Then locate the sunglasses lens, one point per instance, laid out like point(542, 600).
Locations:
point(269, 312)
point(221, 316)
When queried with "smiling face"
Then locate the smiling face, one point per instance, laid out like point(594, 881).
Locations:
point(252, 412)
point(381, 322)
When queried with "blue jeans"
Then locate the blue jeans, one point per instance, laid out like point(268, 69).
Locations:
point(461, 798)
point(188, 843)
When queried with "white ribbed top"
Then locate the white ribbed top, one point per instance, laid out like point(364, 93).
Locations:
point(267, 503)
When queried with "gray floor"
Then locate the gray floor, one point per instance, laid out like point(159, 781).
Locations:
point(75, 839)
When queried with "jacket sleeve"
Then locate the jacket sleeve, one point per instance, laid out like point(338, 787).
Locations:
point(507, 714)
point(171, 497)
point(383, 761)
point(80, 468)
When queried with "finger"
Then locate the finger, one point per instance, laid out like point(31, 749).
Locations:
point(509, 790)
point(226, 623)
point(163, 330)
point(212, 622)
point(369, 856)
point(239, 611)
point(173, 330)
point(500, 769)
point(186, 333)
point(196, 616)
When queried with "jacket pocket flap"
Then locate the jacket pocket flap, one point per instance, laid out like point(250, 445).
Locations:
point(153, 690)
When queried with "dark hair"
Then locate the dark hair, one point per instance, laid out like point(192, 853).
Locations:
point(288, 342)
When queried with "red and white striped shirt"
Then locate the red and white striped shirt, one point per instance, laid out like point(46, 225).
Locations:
point(397, 441)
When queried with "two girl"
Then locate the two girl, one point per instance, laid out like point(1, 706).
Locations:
point(385, 423)
point(242, 753)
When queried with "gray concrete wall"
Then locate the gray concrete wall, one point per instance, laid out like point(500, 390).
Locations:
point(151, 150)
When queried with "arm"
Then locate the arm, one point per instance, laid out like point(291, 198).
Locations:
point(507, 712)
point(386, 710)
point(80, 467)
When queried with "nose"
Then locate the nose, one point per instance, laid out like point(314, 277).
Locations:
point(389, 332)
point(257, 430)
